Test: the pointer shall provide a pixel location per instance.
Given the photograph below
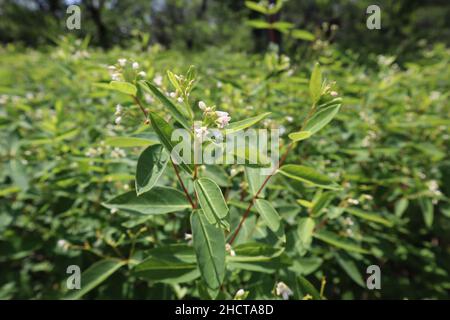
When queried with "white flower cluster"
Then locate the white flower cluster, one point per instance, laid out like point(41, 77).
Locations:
point(118, 114)
point(116, 71)
point(210, 116)
point(283, 290)
point(118, 153)
point(433, 187)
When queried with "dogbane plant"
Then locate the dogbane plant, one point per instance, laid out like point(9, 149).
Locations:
point(213, 251)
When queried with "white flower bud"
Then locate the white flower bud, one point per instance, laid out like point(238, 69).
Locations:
point(202, 105)
point(135, 65)
point(283, 290)
point(118, 110)
point(122, 62)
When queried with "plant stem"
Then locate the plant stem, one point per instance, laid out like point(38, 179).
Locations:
point(282, 160)
point(182, 185)
point(252, 201)
point(136, 100)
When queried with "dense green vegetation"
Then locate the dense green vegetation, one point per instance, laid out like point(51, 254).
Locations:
point(67, 151)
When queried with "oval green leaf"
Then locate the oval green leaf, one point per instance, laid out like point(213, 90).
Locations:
point(308, 175)
point(159, 200)
point(209, 246)
point(95, 275)
point(150, 166)
point(211, 199)
point(269, 214)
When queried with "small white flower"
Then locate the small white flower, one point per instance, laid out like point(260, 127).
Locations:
point(142, 74)
point(118, 153)
point(148, 98)
point(122, 62)
point(118, 110)
point(158, 79)
point(115, 76)
point(187, 236)
point(333, 94)
point(118, 120)
point(113, 210)
point(180, 100)
point(63, 244)
point(135, 65)
point(283, 290)
point(352, 201)
point(111, 68)
point(201, 133)
point(230, 250)
point(219, 84)
point(202, 105)
point(223, 118)
point(349, 221)
point(92, 152)
point(289, 119)
point(173, 94)
point(240, 293)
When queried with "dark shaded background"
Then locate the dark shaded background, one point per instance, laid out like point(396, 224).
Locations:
point(196, 24)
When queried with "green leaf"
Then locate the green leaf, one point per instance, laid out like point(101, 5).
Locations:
point(174, 81)
point(308, 175)
point(426, 206)
point(209, 246)
point(282, 26)
point(400, 206)
point(123, 87)
point(179, 114)
point(257, 257)
point(373, 217)
point(243, 124)
point(254, 251)
point(302, 35)
point(164, 132)
point(211, 200)
point(150, 166)
point(350, 268)
point(305, 203)
point(315, 84)
point(321, 203)
point(133, 141)
point(305, 231)
point(255, 180)
point(256, 7)
point(339, 242)
point(169, 264)
point(305, 287)
point(159, 200)
point(269, 214)
point(95, 275)
point(301, 135)
point(321, 118)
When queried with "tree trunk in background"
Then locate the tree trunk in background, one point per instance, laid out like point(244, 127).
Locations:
point(96, 14)
point(274, 35)
point(202, 10)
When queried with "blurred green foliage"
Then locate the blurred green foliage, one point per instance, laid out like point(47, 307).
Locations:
point(387, 148)
point(62, 155)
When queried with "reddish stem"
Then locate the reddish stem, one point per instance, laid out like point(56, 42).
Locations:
point(183, 186)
